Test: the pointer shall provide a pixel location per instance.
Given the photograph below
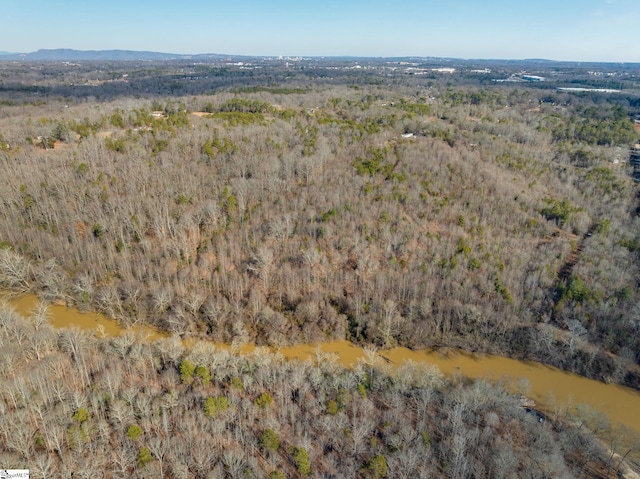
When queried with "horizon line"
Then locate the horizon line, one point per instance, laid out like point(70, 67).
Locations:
point(314, 56)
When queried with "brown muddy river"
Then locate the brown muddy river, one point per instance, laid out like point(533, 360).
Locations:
point(63, 317)
point(549, 387)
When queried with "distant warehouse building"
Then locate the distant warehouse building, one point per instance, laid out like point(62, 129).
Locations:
point(533, 78)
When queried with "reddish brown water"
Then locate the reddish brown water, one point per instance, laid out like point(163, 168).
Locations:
point(549, 387)
point(64, 317)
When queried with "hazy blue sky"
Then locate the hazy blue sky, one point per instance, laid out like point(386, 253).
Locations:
point(586, 30)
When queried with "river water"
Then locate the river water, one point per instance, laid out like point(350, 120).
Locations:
point(551, 388)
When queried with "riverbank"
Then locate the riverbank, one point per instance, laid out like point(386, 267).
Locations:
point(554, 391)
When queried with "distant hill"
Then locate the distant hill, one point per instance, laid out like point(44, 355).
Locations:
point(65, 54)
point(71, 55)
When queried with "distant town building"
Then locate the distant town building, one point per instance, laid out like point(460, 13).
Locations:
point(596, 90)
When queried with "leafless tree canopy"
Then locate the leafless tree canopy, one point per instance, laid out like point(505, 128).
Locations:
point(82, 408)
point(371, 204)
point(418, 214)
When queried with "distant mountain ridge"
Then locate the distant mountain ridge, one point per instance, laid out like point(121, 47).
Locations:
point(71, 55)
point(68, 54)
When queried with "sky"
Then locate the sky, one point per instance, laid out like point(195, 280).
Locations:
point(578, 30)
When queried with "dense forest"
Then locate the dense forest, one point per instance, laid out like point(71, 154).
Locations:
point(386, 209)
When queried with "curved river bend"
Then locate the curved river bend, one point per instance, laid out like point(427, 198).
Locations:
point(550, 387)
